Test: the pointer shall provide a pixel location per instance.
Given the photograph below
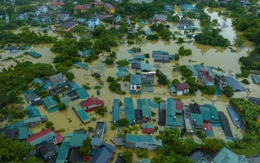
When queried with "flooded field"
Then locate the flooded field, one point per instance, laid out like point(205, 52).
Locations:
point(210, 56)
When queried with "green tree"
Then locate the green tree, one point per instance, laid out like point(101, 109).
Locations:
point(142, 153)
point(192, 83)
point(109, 61)
point(12, 97)
point(123, 121)
point(14, 150)
point(184, 52)
point(213, 144)
point(62, 106)
point(85, 149)
point(175, 81)
point(128, 156)
point(122, 63)
point(228, 91)
point(113, 86)
point(56, 98)
point(110, 79)
point(101, 110)
point(49, 124)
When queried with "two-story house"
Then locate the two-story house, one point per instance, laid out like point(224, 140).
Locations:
point(109, 8)
point(135, 84)
point(205, 77)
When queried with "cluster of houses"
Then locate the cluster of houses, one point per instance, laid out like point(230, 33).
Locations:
point(172, 113)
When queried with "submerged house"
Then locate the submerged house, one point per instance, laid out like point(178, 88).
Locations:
point(144, 106)
point(91, 104)
point(148, 77)
point(188, 8)
point(135, 84)
point(139, 141)
point(78, 137)
point(205, 77)
point(223, 81)
point(161, 56)
point(42, 137)
point(30, 122)
point(93, 22)
point(103, 154)
point(98, 136)
point(21, 133)
point(50, 104)
point(48, 150)
point(115, 111)
point(129, 110)
point(158, 18)
point(182, 88)
point(32, 97)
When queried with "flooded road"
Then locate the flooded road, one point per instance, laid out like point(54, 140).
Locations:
point(210, 56)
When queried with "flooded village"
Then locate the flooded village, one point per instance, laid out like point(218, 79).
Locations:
point(140, 109)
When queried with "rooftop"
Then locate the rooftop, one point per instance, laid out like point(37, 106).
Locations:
point(69, 24)
point(136, 79)
point(63, 151)
point(129, 110)
point(225, 124)
point(78, 137)
point(81, 113)
point(227, 156)
point(103, 154)
point(206, 73)
point(182, 86)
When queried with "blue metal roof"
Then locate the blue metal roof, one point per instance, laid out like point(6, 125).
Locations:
point(103, 154)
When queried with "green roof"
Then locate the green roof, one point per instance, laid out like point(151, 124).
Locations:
point(81, 113)
point(146, 66)
point(63, 151)
point(144, 105)
point(74, 85)
point(37, 80)
point(198, 119)
point(172, 89)
point(147, 125)
point(188, 7)
point(34, 54)
point(81, 65)
point(139, 57)
point(143, 138)
point(66, 100)
point(32, 111)
point(77, 138)
point(144, 160)
point(205, 113)
point(213, 112)
point(227, 156)
point(116, 110)
point(173, 122)
point(49, 102)
point(23, 132)
point(46, 85)
point(171, 107)
point(23, 122)
point(83, 94)
point(129, 110)
point(136, 79)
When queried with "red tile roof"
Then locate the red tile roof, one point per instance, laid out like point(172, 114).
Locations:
point(91, 101)
point(128, 16)
point(98, 3)
point(148, 130)
point(56, 3)
point(59, 138)
point(109, 6)
point(182, 86)
point(81, 7)
point(38, 135)
point(206, 74)
point(107, 16)
point(179, 105)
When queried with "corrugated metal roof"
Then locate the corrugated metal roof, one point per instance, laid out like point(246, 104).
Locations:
point(81, 113)
point(63, 151)
point(78, 138)
point(103, 154)
point(227, 156)
point(32, 111)
point(171, 107)
point(129, 110)
point(83, 94)
point(198, 119)
point(48, 101)
point(205, 113)
point(23, 132)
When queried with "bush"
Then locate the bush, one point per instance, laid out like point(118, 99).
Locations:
point(93, 118)
point(113, 127)
point(245, 81)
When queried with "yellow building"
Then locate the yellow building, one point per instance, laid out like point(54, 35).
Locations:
point(111, 9)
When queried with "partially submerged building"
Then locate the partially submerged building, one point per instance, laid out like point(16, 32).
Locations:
point(224, 81)
point(50, 104)
point(103, 154)
point(205, 77)
point(32, 97)
point(135, 84)
point(91, 104)
point(42, 137)
point(139, 141)
point(78, 137)
point(81, 113)
point(98, 136)
point(129, 110)
point(115, 111)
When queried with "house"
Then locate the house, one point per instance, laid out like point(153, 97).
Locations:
point(107, 16)
point(75, 156)
point(103, 154)
point(43, 9)
point(66, 100)
point(135, 64)
point(178, 106)
point(46, 19)
point(188, 8)
point(225, 125)
point(205, 77)
point(56, 4)
point(141, 141)
point(148, 77)
point(21, 133)
point(135, 84)
point(93, 22)
point(64, 149)
point(50, 104)
point(254, 100)
point(30, 122)
point(13, 49)
point(131, 30)
point(78, 137)
point(188, 121)
point(58, 80)
point(158, 18)
point(138, 116)
point(196, 115)
point(226, 155)
point(162, 113)
point(42, 137)
point(63, 17)
point(224, 81)
point(82, 8)
point(118, 19)
point(69, 25)
point(97, 4)
point(82, 93)
point(182, 88)
point(129, 110)
point(144, 105)
point(81, 113)
point(115, 111)
point(32, 98)
point(109, 8)
point(32, 111)
point(184, 23)
point(256, 79)
point(171, 113)
point(48, 150)
point(91, 104)
point(98, 136)
point(147, 128)
point(128, 21)
point(145, 67)
point(159, 53)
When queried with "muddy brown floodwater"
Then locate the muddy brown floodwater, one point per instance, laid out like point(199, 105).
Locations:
point(210, 56)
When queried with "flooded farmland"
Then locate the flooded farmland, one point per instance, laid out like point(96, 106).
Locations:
point(210, 56)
